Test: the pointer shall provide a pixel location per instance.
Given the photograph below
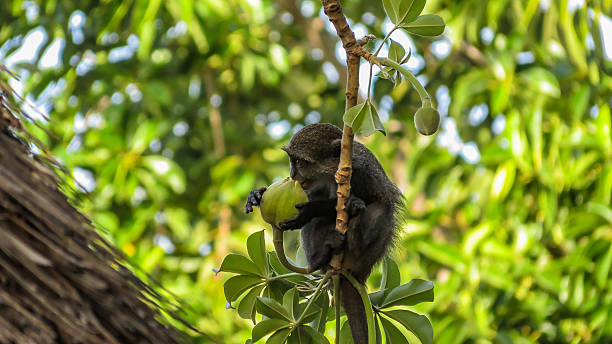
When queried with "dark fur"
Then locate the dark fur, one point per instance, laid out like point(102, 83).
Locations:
point(373, 208)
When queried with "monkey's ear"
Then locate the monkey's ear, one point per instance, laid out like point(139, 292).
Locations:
point(336, 146)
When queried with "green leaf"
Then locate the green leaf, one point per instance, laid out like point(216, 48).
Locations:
point(411, 293)
point(429, 25)
point(364, 119)
point(391, 8)
point(603, 268)
point(312, 313)
point(271, 308)
point(168, 171)
point(291, 302)
point(317, 337)
point(415, 323)
point(144, 134)
point(256, 246)
point(541, 80)
point(345, 334)
point(239, 264)
point(178, 221)
point(279, 336)
point(237, 285)
point(396, 52)
point(354, 113)
point(276, 265)
point(376, 298)
point(321, 318)
point(392, 334)
point(246, 307)
point(403, 11)
point(279, 58)
point(443, 254)
point(391, 276)
point(386, 73)
point(268, 326)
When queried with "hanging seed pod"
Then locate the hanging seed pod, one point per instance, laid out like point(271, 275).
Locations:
point(427, 120)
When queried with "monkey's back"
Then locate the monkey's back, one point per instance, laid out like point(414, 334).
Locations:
point(370, 183)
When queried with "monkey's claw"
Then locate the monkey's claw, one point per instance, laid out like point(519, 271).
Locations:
point(254, 199)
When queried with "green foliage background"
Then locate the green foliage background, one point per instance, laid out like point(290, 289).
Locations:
point(175, 135)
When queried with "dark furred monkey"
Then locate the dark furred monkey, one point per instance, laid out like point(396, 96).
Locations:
point(375, 201)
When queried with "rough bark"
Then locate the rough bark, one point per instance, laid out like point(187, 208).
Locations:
point(350, 299)
point(60, 282)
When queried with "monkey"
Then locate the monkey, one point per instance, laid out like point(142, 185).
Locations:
point(374, 207)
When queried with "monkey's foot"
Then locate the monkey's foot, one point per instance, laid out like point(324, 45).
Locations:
point(355, 206)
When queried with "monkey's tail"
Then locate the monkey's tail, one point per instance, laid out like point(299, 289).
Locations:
point(355, 311)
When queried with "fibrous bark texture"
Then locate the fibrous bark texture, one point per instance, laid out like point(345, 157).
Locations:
point(60, 282)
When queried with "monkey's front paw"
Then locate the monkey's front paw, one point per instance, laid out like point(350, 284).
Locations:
point(254, 199)
point(355, 206)
point(292, 223)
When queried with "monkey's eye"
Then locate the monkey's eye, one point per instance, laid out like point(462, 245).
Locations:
point(301, 162)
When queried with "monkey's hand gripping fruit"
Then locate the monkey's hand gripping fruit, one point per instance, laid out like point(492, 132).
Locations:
point(279, 200)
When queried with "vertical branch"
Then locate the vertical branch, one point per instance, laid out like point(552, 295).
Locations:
point(333, 10)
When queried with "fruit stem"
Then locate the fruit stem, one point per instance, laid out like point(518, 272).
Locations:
point(277, 239)
point(425, 98)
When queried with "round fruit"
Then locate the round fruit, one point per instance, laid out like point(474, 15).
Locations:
point(279, 200)
point(427, 120)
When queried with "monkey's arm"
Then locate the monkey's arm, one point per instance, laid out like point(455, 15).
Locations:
point(254, 199)
point(309, 210)
point(320, 208)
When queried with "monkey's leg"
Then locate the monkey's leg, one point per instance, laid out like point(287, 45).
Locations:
point(320, 241)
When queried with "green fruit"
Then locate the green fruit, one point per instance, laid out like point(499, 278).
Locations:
point(279, 200)
point(427, 120)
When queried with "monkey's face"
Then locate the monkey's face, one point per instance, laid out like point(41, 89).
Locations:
point(302, 171)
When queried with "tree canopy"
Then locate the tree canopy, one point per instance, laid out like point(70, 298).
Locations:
point(169, 112)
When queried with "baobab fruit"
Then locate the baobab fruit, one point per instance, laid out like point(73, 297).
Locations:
point(279, 200)
point(427, 120)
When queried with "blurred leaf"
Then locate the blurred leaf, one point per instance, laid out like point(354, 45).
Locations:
point(443, 254)
point(409, 294)
point(168, 171)
point(178, 221)
point(541, 80)
point(603, 268)
point(429, 25)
